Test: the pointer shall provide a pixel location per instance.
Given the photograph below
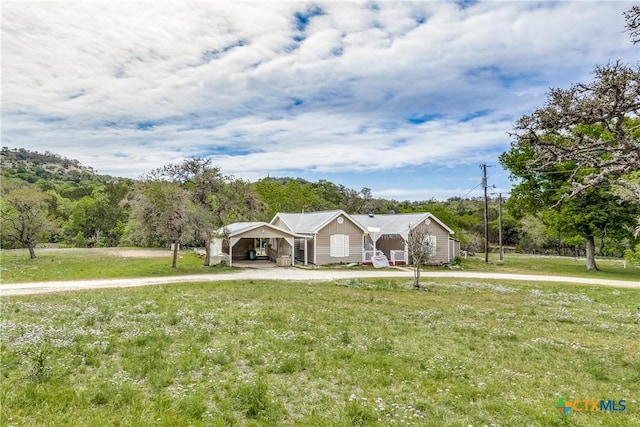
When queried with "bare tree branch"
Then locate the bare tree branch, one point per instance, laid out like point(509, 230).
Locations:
point(594, 126)
point(632, 16)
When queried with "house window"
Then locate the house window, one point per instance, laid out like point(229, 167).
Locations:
point(339, 245)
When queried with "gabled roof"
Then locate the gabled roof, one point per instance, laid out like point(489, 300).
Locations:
point(397, 223)
point(312, 222)
point(238, 228)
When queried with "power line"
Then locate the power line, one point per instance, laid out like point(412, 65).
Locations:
point(479, 184)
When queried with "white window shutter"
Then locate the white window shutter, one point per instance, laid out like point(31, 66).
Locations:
point(332, 245)
point(433, 248)
point(338, 245)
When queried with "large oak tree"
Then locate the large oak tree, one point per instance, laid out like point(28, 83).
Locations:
point(572, 153)
point(216, 199)
point(161, 213)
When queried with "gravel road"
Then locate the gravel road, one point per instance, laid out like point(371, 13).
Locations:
point(294, 274)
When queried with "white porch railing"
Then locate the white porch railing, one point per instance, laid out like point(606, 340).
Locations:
point(398, 256)
point(367, 255)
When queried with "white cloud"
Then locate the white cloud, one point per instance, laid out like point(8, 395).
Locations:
point(126, 87)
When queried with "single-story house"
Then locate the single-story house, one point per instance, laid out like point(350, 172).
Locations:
point(328, 237)
point(254, 240)
point(332, 237)
point(387, 234)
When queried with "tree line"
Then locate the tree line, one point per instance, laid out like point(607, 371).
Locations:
point(187, 202)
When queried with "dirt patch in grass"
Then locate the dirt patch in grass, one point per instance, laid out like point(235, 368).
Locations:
point(138, 253)
point(121, 252)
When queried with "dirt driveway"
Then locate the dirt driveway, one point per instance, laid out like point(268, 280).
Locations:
point(293, 274)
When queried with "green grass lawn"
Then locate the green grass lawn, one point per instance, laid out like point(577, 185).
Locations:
point(352, 353)
point(78, 264)
point(613, 269)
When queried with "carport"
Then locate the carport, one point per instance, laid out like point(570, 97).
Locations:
point(243, 236)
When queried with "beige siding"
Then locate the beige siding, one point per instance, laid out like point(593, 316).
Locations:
point(454, 249)
point(442, 244)
point(355, 242)
point(280, 224)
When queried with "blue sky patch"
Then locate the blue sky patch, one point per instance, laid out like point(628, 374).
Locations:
point(147, 124)
point(475, 115)
point(423, 118)
point(301, 19)
point(228, 150)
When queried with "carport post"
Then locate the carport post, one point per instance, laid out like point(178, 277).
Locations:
point(232, 242)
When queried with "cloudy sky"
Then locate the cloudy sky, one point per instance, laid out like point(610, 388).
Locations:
point(405, 98)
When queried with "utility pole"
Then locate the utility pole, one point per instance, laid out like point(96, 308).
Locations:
point(486, 215)
point(500, 226)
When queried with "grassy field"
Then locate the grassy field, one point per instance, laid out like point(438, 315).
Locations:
point(76, 264)
point(613, 269)
point(103, 263)
point(353, 353)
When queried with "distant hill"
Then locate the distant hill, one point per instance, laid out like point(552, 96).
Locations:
point(19, 164)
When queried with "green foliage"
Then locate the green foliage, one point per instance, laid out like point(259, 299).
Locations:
point(36, 350)
point(548, 188)
point(79, 198)
point(95, 209)
point(632, 256)
point(162, 213)
point(25, 218)
point(593, 213)
point(289, 195)
point(50, 171)
point(252, 398)
point(99, 216)
point(79, 241)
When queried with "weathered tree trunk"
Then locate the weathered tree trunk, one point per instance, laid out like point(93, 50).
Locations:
point(174, 262)
point(591, 254)
point(32, 251)
point(207, 249)
point(416, 276)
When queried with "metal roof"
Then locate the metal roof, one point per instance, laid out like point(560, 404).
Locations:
point(312, 222)
point(242, 227)
point(396, 223)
